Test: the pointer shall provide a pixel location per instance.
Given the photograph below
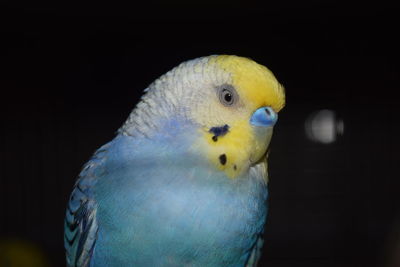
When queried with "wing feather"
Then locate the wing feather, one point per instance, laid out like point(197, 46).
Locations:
point(256, 252)
point(259, 170)
point(80, 221)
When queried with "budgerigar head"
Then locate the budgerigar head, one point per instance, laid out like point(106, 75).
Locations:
point(233, 101)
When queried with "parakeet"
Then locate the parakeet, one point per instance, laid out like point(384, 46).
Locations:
point(184, 181)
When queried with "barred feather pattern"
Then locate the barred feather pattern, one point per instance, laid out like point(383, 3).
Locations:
point(80, 222)
point(171, 94)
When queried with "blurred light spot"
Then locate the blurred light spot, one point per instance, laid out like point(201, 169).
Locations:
point(18, 253)
point(323, 126)
point(392, 246)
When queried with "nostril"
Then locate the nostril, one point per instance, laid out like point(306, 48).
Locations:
point(264, 116)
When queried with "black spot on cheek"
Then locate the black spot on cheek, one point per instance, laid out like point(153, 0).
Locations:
point(219, 131)
point(222, 159)
point(234, 167)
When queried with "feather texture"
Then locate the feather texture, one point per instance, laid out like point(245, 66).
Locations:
point(161, 213)
point(184, 183)
point(80, 225)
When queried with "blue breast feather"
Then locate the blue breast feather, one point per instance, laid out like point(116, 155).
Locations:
point(160, 205)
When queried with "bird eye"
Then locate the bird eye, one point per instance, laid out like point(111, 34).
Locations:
point(227, 95)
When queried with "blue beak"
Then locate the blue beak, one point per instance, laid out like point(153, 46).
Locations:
point(264, 116)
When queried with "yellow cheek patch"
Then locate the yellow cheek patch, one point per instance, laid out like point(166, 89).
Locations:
point(256, 84)
point(257, 87)
point(230, 153)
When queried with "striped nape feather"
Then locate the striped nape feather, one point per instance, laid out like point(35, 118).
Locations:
point(172, 95)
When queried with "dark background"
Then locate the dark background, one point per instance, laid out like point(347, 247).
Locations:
point(70, 75)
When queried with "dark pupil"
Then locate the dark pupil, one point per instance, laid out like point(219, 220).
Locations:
point(228, 97)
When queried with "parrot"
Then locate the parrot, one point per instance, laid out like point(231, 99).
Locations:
point(184, 180)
